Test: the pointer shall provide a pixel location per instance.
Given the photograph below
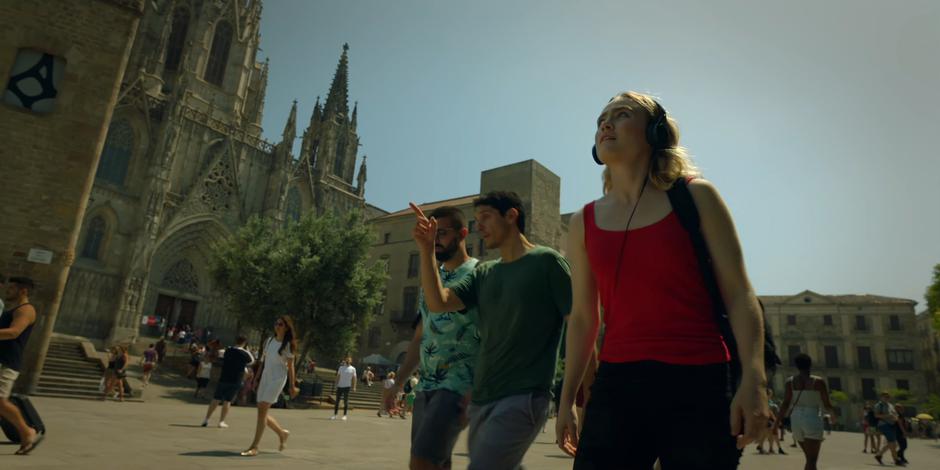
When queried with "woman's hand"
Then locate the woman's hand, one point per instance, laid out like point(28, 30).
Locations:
point(566, 429)
point(749, 412)
point(294, 391)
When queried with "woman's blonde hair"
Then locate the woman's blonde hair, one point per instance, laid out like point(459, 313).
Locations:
point(670, 163)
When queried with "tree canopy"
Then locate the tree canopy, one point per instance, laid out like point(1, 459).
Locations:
point(315, 269)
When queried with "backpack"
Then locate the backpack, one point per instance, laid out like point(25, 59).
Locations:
point(684, 207)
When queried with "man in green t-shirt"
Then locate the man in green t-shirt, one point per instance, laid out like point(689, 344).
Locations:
point(522, 300)
point(447, 345)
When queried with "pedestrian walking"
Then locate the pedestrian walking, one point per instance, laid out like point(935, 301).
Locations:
point(234, 363)
point(522, 300)
point(16, 326)
point(887, 426)
point(277, 368)
point(389, 395)
point(148, 362)
point(903, 430)
point(160, 347)
point(806, 397)
point(633, 254)
point(445, 379)
point(116, 372)
point(345, 381)
point(203, 374)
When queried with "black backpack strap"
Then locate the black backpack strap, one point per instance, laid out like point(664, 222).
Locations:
point(684, 207)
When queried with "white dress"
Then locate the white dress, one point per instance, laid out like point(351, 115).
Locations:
point(274, 375)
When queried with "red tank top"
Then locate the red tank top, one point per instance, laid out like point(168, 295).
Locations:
point(660, 310)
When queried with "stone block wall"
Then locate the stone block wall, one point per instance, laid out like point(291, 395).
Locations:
point(49, 159)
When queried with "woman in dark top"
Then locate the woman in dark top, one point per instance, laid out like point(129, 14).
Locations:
point(117, 371)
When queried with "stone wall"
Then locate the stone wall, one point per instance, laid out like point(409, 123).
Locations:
point(49, 158)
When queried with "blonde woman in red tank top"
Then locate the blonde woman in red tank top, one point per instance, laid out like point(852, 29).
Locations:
point(629, 254)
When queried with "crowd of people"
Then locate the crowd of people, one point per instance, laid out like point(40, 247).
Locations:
point(657, 253)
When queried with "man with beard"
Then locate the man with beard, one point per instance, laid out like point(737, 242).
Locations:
point(447, 346)
point(522, 299)
point(16, 324)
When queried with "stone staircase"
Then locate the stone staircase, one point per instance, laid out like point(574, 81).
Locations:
point(364, 398)
point(69, 372)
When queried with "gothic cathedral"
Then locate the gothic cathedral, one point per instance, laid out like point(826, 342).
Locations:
point(184, 164)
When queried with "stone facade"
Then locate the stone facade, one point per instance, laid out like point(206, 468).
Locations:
point(63, 61)
point(184, 165)
point(539, 190)
point(929, 349)
point(861, 344)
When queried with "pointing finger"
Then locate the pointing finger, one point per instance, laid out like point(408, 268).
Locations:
point(417, 210)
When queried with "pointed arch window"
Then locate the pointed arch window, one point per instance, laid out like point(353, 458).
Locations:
point(293, 207)
point(94, 237)
point(339, 160)
point(177, 39)
point(116, 156)
point(218, 54)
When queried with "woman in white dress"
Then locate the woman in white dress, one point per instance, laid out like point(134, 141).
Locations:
point(277, 367)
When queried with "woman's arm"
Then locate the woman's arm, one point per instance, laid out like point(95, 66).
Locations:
point(290, 376)
point(749, 406)
point(731, 275)
point(583, 323)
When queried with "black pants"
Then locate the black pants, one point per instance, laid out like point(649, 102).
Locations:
point(902, 443)
point(641, 411)
point(342, 393)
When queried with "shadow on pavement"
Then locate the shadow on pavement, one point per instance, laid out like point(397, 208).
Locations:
point(214, 453)
point(185, 425)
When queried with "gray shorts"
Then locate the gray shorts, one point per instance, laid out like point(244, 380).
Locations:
point(7, 379)
point(502, 431)
point(435, 425)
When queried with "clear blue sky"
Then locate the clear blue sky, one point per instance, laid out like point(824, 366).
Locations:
point(818, 121)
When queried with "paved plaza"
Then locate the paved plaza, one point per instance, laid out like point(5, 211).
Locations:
point(164, 432)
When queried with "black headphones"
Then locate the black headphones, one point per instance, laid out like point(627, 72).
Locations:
point(657, 132)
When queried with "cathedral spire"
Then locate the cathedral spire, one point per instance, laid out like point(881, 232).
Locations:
point(337, 101)
point(317, 111)
point(354, 115)
point(290, 129)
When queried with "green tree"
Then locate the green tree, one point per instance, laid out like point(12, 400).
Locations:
point(933, 298)
point(316, 270)
point(931, 406)
point(242, 268)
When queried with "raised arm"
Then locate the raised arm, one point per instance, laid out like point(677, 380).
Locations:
point(438, 298)
point(583, 324)
point(750, 401)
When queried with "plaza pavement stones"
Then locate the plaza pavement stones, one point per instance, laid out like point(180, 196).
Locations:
point(164, 432)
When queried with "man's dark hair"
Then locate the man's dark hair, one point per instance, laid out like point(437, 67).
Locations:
point(503, 201)
point(240, 340)
point(450, 212)
point(803, 361)
point(23, 283)
point(151, 345)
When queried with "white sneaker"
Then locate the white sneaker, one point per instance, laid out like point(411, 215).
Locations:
point(333, 418)
point(344, 417)
point(222, 424)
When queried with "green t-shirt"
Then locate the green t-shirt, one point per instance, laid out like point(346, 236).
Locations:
point(449, 341)
point(521, 307)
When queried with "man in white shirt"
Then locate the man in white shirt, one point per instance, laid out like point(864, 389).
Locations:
point(345, 380)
